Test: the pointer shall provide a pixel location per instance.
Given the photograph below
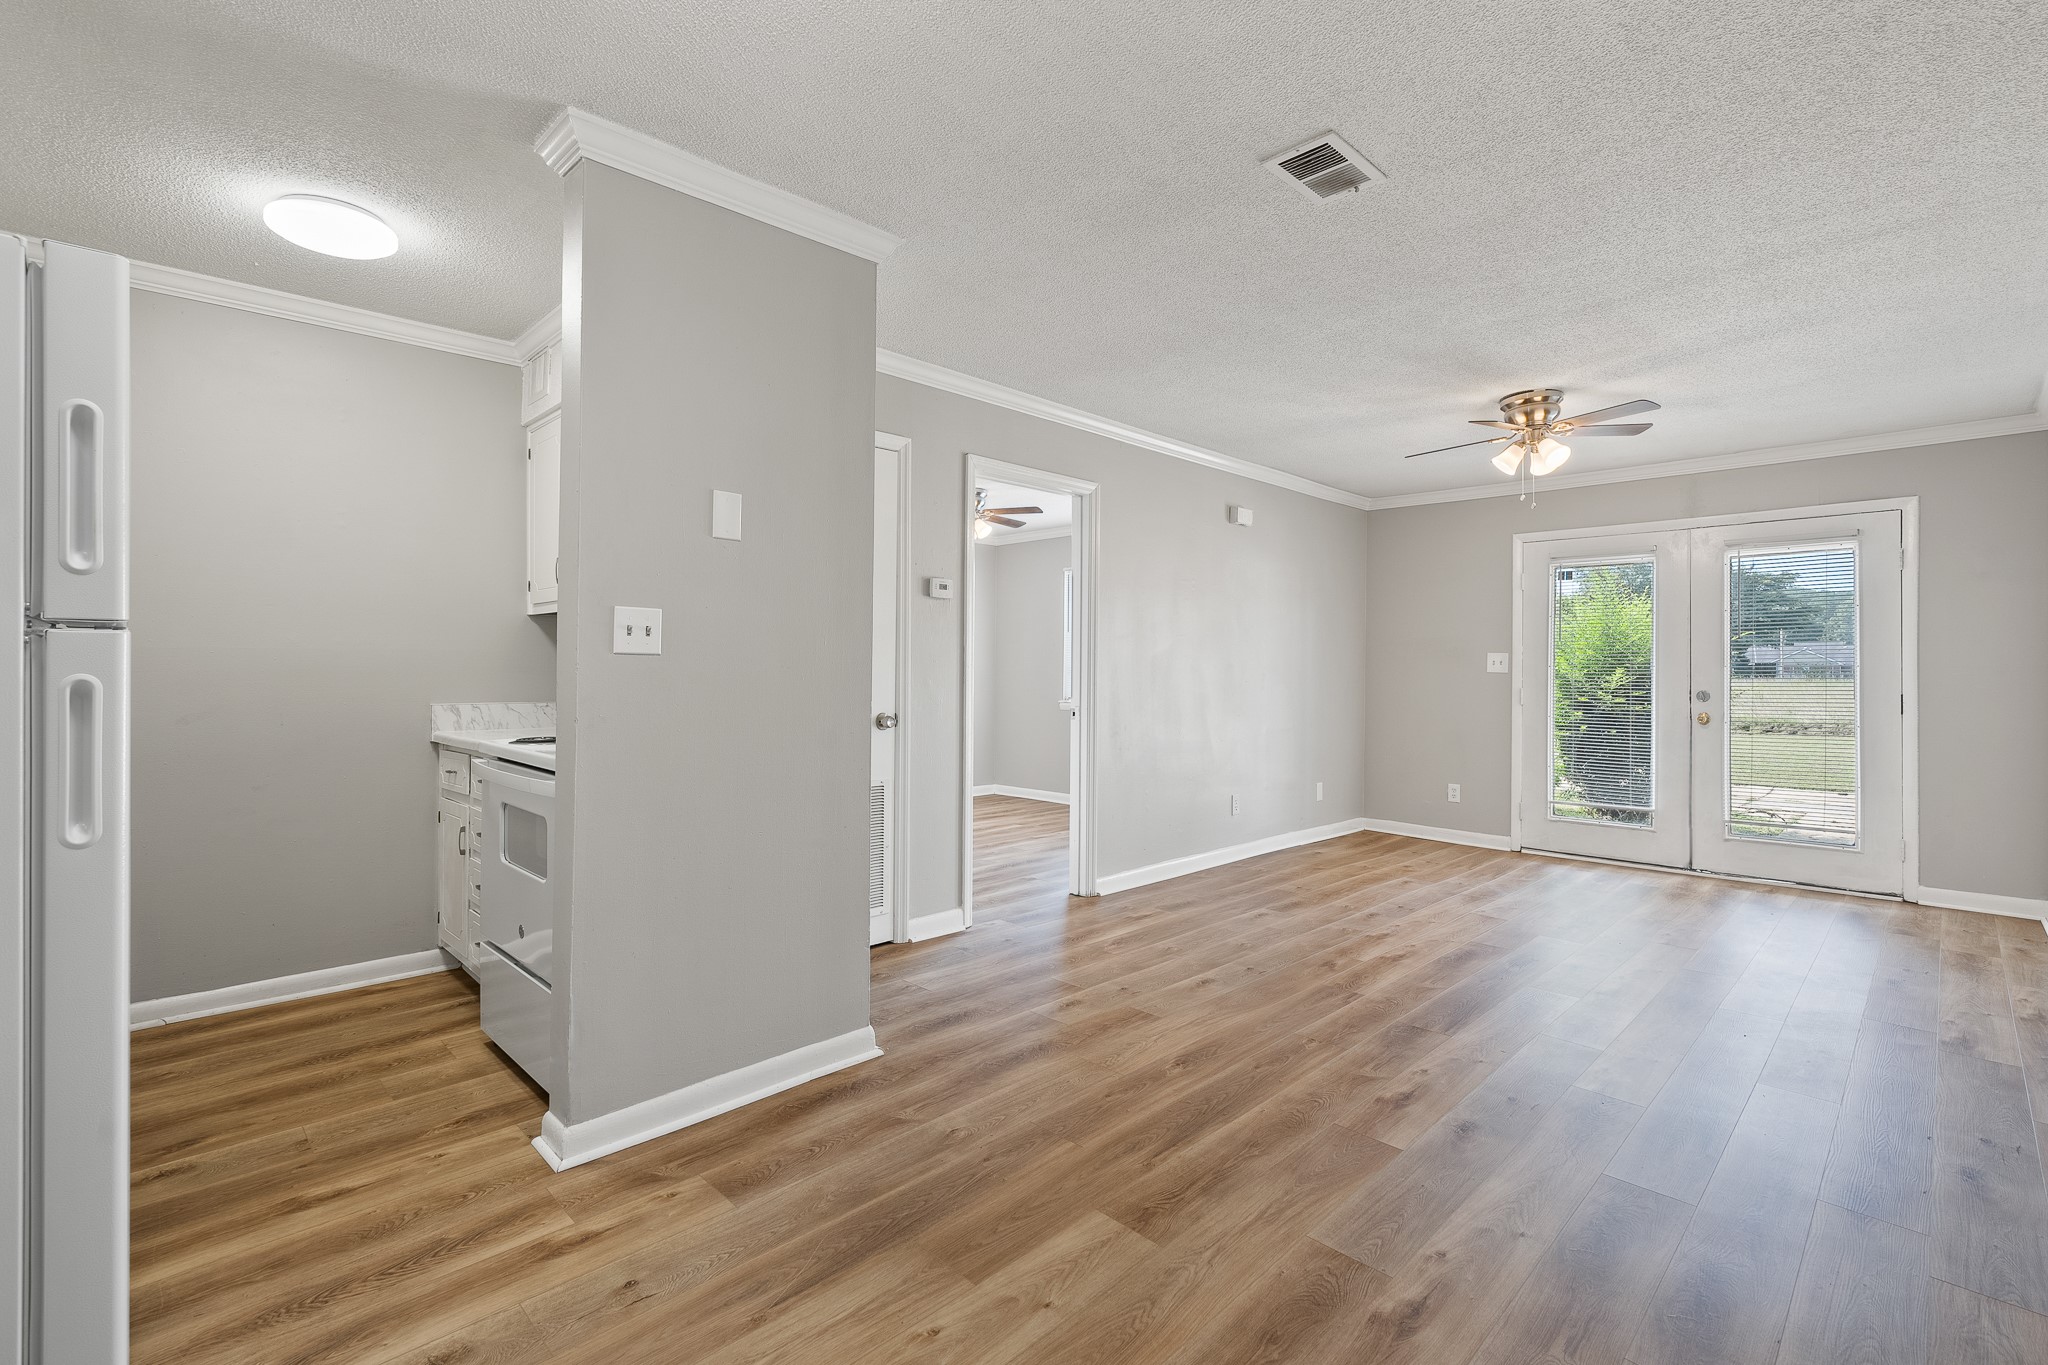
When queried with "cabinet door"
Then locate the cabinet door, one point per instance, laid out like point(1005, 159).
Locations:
point(543, 514)
point(451, 866)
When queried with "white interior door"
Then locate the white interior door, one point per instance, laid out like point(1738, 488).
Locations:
point(883, 699)
point(1798, 701)
point(1604, 673)
point(1725, 698)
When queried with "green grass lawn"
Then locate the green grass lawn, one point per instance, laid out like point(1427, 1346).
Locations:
point(1816, 763)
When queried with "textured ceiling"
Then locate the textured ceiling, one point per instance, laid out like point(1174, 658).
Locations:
point(1786, 222)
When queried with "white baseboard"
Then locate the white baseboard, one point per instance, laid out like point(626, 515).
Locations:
point(1467, 837)
point(174, 1008)
point(565, 1145)
point(1217, 857)
point(2019, 907)
point(1026, 793)
point(937, 924)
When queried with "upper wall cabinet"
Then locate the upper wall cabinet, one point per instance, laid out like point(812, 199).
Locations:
point(540, 384)
point(543, 514)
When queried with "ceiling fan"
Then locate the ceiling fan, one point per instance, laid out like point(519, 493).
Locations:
point(987, 518)
point(1535, 424)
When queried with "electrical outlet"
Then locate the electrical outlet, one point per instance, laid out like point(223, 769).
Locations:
point(1319, 791)
point(1233, 803)
point(1496, 663)
point(1456, 792)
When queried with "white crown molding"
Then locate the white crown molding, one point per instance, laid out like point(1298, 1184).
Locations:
point(1747, 459)
point(967, 386)
point(577, 135)
point(254, 298)
point(545, 331)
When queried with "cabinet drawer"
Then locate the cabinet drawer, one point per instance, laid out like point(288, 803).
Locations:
point(454, 771)
point(518, 1015)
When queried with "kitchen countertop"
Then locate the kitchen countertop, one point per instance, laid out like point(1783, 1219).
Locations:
point(498, 744)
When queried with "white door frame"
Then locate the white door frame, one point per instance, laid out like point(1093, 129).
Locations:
point(1908, 509)
point(899, 865)
point(1081, 762)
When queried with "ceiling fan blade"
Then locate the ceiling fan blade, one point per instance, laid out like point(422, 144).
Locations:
point(1014, 511)
point(1618, 410)
point(1002, 521)
point(1489, 441)
point(1504, 426)
point(1620, 429)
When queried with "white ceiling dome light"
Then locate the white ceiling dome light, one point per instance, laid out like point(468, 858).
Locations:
point(330, 226)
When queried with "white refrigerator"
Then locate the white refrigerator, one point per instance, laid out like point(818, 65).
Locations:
point(64, 781)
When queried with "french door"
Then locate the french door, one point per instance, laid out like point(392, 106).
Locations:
point(1726, 698)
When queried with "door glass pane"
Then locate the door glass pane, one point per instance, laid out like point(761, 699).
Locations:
point(526, 840)
point(1603, 630)
point(1792, 694)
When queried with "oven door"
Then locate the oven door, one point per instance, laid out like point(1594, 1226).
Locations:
point(516, 966)
point(518, 852)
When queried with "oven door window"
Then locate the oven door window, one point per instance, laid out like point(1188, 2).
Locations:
point(526, 840)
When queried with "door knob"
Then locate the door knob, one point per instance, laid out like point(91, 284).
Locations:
point(884, 720)
point(1702, 718)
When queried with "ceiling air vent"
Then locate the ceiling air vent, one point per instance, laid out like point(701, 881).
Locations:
point(1324, 166)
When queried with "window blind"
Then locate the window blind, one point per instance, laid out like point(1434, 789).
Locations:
point(1603, 632)
point(1792, 687)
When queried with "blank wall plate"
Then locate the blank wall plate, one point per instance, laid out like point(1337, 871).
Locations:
point(1496, 663)
point(636, 630)
point(725, 516)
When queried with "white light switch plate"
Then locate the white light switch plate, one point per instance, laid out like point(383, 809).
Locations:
point(636, 630)
point(725, 515)
point(1496, 663)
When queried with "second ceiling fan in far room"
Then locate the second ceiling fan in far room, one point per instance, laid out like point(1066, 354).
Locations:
point(987, 518)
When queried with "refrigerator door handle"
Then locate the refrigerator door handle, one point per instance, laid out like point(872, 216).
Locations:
point(83, 517)
point(81, 806)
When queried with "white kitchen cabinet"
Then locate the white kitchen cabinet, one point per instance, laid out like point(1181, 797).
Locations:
point(452, 868)
point(543, 514)
point(540, 384)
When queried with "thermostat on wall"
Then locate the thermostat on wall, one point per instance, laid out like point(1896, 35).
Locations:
point(1240, 516)
point(938, 587)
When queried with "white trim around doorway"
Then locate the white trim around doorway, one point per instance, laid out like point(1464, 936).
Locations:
point(1908, 509)
point(899, 866)
point(1081, 880)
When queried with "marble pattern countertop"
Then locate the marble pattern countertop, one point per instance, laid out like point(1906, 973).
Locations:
point(489, 727)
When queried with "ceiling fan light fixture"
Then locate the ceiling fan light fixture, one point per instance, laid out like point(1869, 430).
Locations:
point(982, 529)
point(1548, 456)
point(1510, 459)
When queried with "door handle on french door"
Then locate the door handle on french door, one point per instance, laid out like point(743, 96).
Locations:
point(83, 485)
point(83, 698)
point(884, 720)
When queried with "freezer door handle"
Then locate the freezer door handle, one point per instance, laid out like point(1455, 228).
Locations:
point(84, 514)
point(82, 804)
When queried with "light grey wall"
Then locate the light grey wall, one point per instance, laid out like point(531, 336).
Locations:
point(1022, 740)
point(329, 534)
point(1232, 658)
point(713, 894)
point(1440, 599)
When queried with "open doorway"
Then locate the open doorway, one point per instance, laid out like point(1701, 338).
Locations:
point(1026, 753)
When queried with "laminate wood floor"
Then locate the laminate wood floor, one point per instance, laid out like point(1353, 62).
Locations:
point(1368, 1100)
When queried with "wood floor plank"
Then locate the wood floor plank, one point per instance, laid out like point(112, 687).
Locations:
point(1582, 1302)
point(1882, 1162)
point(1970, 1329)
point(1675, 1148)
point(1729, 1286)
point(1861, 1295)
point(1990, 1200)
